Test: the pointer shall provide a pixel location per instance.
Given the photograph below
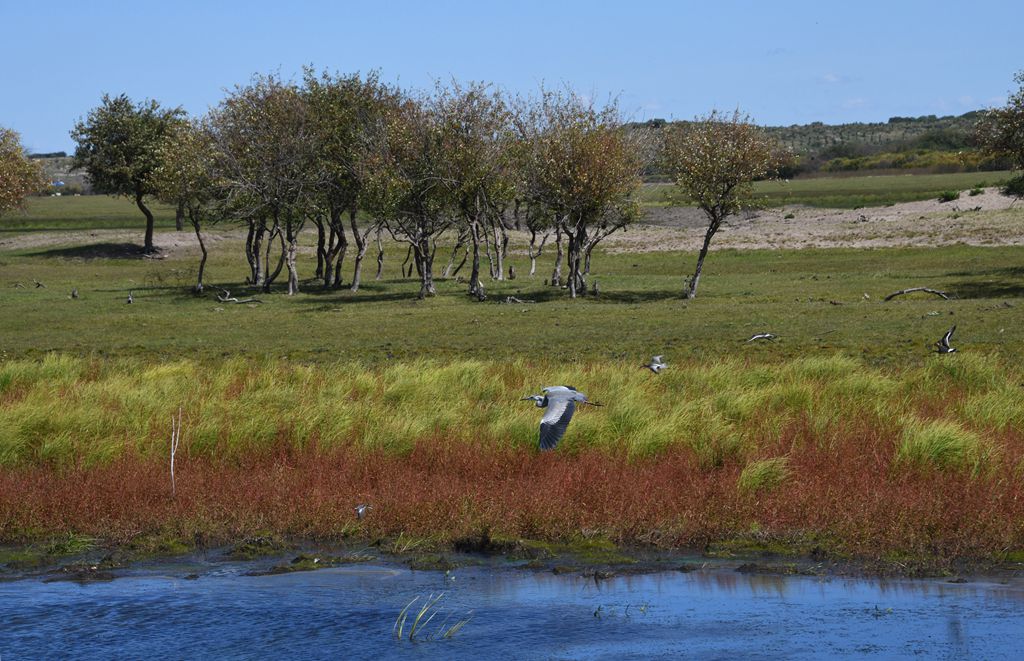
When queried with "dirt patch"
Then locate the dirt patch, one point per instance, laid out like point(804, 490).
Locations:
point(990, 219)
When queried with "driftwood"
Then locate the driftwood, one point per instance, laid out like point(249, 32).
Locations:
point(38, 284)
point(513, 299)
point(226, 297)
point(913, 289)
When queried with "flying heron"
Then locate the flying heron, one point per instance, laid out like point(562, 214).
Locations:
point(560, 402)
point(656, 364)
point(943, 344)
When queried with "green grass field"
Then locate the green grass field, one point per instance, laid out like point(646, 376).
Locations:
point(848, 192)
point(297, 407)
point(814, 300)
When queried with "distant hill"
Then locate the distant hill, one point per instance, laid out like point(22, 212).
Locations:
point(928, 144)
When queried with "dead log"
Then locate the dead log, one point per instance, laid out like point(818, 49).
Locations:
point(913, 289)
point(226, 297)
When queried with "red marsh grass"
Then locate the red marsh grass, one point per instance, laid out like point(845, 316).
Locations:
point(817, 455)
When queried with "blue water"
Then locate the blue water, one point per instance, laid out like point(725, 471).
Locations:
point(350, 612)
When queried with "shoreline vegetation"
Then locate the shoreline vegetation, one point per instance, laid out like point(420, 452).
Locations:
point(909, 470)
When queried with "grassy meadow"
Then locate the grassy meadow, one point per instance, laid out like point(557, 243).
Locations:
point(850, 192)
point(845, 437)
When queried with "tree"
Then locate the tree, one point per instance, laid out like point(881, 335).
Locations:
point(187, 179)
point(405, 161)
point(342, 108)
point(580, 167)
point(266, 157)
point(714, 161)
point(1000, 132)
point(20, 176)
point(475, 129)
point(118, 148)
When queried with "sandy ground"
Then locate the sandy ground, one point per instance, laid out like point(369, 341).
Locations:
point(989, 219)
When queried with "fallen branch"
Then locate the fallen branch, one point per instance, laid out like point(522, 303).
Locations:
point(913, 289)
point(226, 297)
point(513, 299)
point(38, 284)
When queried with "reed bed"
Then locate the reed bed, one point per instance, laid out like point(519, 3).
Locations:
point(819, 452)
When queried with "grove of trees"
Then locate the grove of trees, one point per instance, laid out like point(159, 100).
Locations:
point(353, 157)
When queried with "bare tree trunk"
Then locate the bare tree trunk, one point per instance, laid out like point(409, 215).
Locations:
point(148, 242)
point(179, 217)
point(202, 261)
point(342, 250)
point(280, 260)
point(424, 256)
point(361, 245)
point(556, 275)
point(259, 273)
point(380, 254)
point(460, 241)
point(249, 254)
point(321, 247)
point(293, 249)
point(534, 254)
point(712, 228)
point(499, 247)
point(474, 270)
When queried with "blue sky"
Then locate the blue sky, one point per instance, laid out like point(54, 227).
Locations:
point(783, 62)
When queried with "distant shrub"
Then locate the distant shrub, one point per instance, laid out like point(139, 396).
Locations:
point(949, 195)
point(789, 215)
point(976, 191)
point(1014, 187)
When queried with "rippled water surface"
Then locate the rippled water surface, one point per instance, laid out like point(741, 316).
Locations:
point(350, 613)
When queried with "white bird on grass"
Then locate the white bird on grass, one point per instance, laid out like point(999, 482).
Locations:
point(361, 509)
point(560, 402)
point(761, 336)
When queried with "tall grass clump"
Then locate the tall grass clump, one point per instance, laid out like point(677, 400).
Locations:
point(944, 445)
point(764, 475)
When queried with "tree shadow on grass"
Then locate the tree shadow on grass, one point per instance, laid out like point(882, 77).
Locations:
point(96, 251)
point(988, 289)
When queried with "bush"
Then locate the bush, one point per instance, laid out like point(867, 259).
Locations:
point(976, 191)
point(1014, 187)
point(949, 195)
point(789, 215)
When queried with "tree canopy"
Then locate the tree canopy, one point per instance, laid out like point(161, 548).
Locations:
point(1001, 130)
point(118, 147)
point(714, 161)
point(20, 176)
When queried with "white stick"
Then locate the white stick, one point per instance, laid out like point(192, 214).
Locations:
point(175, 436)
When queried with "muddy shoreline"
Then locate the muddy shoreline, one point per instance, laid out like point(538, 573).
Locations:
point(103, 560)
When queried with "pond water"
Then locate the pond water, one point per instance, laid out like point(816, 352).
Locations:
point(214, 610)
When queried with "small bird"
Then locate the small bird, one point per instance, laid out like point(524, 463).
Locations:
point(130, 298)
point(361, 510)
point(943, 344)
point(560, 402)
point(656, 364)
point(761, 336)
point(74, 293)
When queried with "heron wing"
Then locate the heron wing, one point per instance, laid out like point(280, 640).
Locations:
point(657, 360)
point(948, 336)
point(555, 421)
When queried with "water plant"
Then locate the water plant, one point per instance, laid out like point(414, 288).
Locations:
point(428, 609)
